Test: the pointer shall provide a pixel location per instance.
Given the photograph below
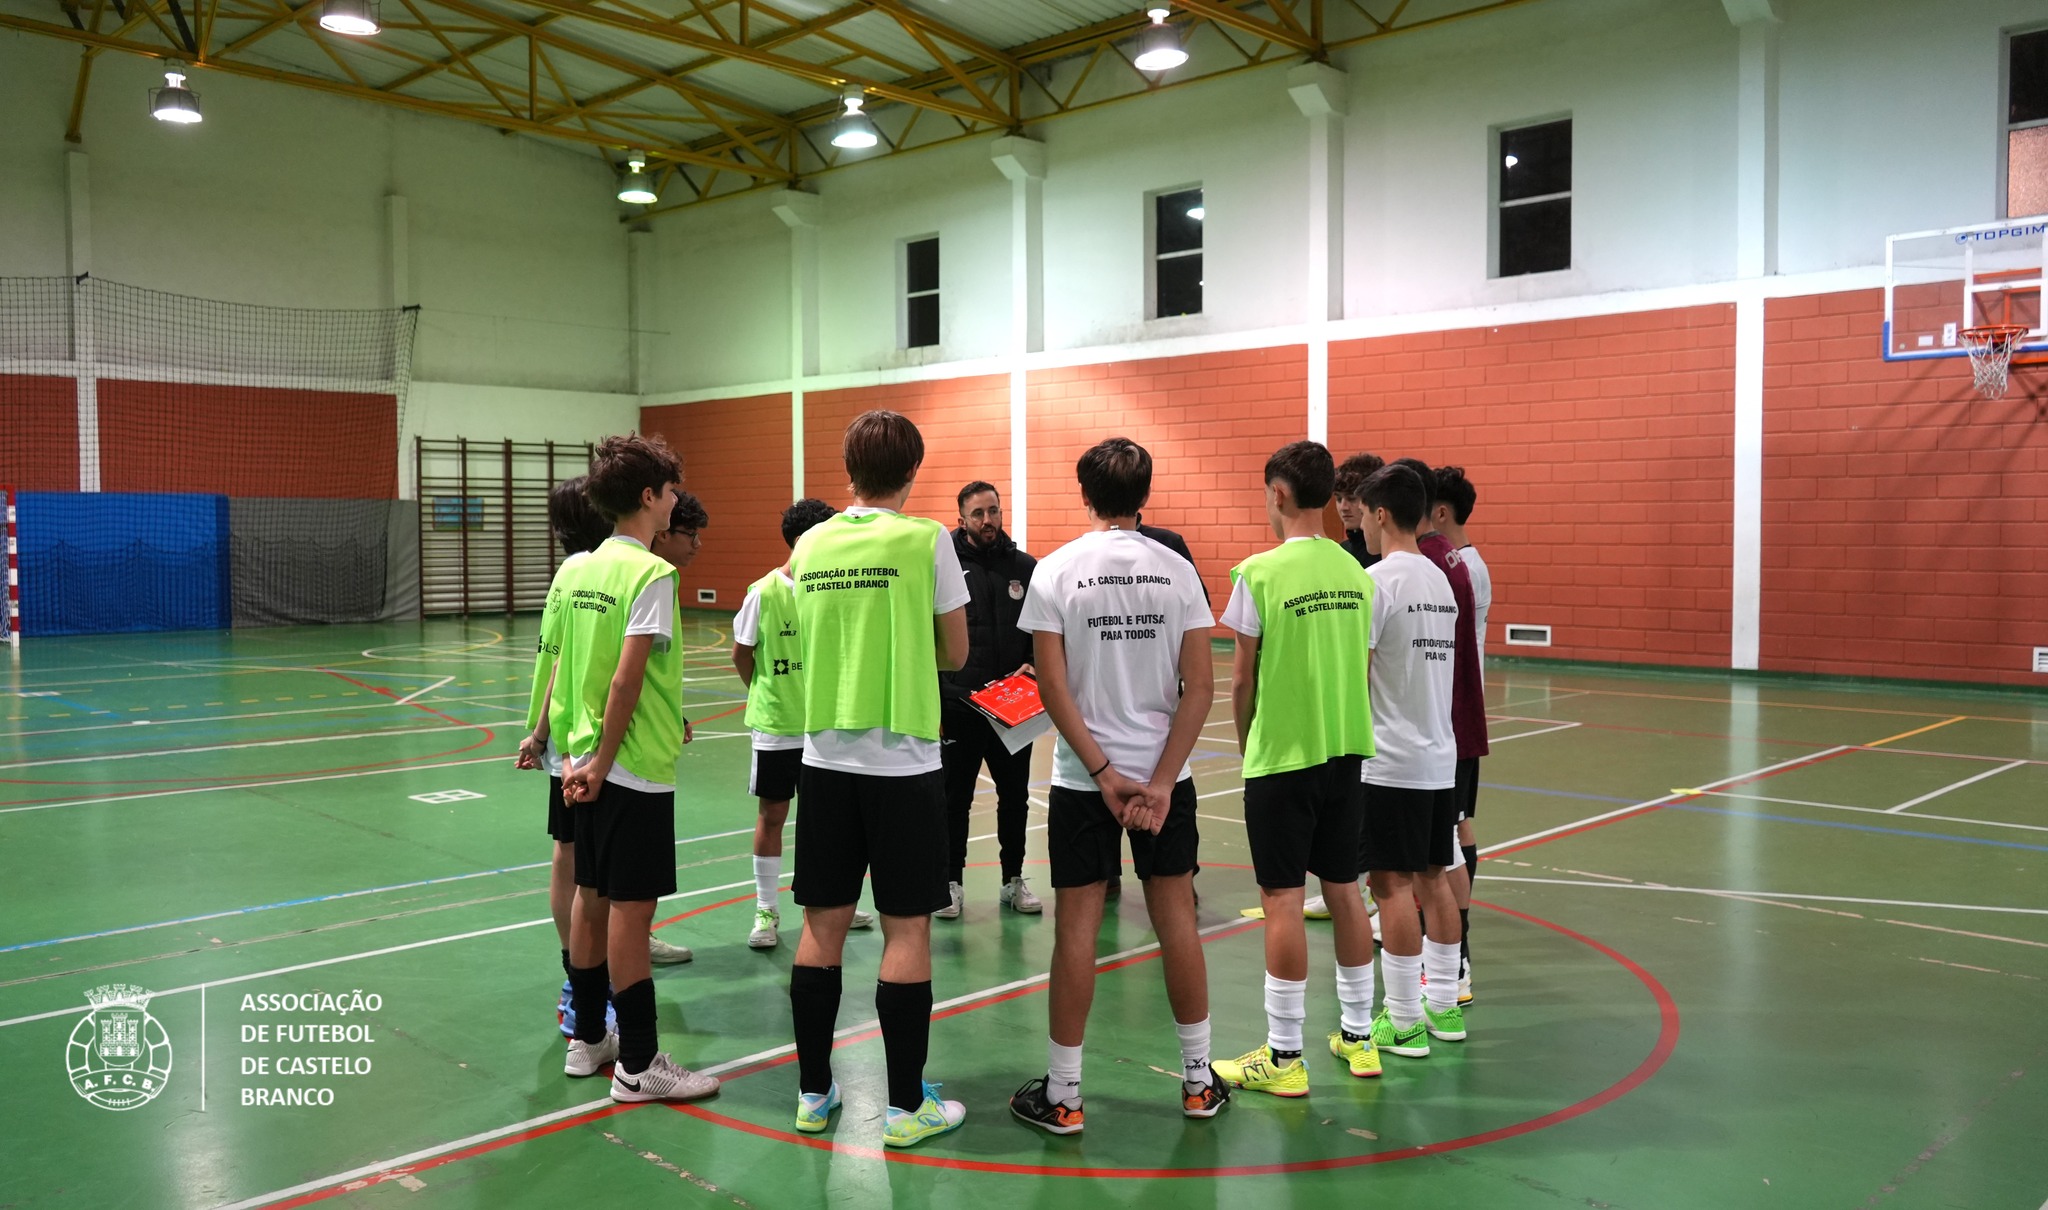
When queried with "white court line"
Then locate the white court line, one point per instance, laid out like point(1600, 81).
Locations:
point(407, 699)
point(773, 1052)
point(246, 785)
point(256, 743)
point(1721, 893)
point(374, 703)
point(1914, 802)
point(1618, 812)
point(1835, 806)
point(1544, 700)
point(1501, 739)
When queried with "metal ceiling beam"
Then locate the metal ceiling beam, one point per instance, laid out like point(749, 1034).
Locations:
point(1290, 35)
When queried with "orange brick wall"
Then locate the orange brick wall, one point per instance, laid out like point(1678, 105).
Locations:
point(39, 417)
point(1601, 449)
point(966, 427)
point(736, 459)
point(1905, 525)
point(1210, 422)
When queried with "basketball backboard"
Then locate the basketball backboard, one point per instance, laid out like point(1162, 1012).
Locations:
point(1937, 284)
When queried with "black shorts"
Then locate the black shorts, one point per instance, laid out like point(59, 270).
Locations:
point(1305, 822)
point(1408, 831)
point(626, 843)
point(890, 830)
point(1467, 788)
point(561, 816)
point(773, 776)
point(1086, 841)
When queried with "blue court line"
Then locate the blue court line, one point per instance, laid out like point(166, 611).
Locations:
point(1857, 827)
point(1495, 785)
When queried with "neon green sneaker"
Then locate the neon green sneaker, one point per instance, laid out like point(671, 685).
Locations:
point(1256, 1072)
point(1412, 1042)
point(1445, 1026)
point(1362, 1055)
point(814, 1110)
point(934, 1117)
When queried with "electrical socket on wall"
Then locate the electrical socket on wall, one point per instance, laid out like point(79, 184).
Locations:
point(2041, 660)
point(707, 596)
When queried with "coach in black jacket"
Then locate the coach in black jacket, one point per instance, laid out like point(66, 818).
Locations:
point(998, 574)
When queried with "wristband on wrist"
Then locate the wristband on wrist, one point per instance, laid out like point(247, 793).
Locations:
point(1098, 773)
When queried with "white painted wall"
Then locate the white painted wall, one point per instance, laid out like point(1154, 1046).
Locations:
point(447, 410)
point(721, 297)
point(517, 256)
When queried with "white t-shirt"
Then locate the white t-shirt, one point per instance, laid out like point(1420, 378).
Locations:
point(746, 631)
point(653, 612)
point(1123, 603)
point(1242, 613)
point(1414, 639)
point(880, 752)
point(1482, 595)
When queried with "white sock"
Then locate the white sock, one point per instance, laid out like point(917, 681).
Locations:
point(767, 879)
point(1062, 1073)
point(1354, 995)
point(1404, 987)
point(1440, 962)
point(1286, 1009)
point(1194, 1052)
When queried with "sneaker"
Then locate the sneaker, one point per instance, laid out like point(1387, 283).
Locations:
point(952, 910)
point(934, 1117)
point(814, 1109)
point(764, 936)
point(664, 1080)
point(1447, 1026)
point(565, 1012)
point(1256, 1072)
point(661, 953)
point(1204, 1100)
point(585, 1058)
point(1465, 988)
point(1362, 1055)
point(1032, 1107)
point(1412, 1042)
point(1375, 918)
point(1315, 909)
point(1016, 895)
point(861, 920)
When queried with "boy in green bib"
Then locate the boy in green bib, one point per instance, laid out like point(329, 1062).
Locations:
point(880, 610)
point(1303, 614)
point(611, 676)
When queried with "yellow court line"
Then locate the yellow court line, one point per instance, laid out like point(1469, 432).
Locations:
point(1915, 731)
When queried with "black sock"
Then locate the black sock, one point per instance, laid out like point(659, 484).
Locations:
point(639, 1038)
point(1284, 1057)
point(814, 1008)
point(1352, 1037)
point(567, 970)
point(589, 987)
point(1471, 852)
point(1465, 936)
point(905, 1010)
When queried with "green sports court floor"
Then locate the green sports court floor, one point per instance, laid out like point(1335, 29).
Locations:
point(1739, 944)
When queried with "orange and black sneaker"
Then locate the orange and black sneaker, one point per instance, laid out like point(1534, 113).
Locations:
point(1032, 1105)
point(1204, 1100)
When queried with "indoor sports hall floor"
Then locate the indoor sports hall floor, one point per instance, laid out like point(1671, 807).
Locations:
point(1739, 944)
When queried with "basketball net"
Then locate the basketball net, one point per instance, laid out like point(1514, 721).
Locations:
point(1991, 349)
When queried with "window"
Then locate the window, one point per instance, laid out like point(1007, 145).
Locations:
point(1177, 253)
point(1533, 220)
point(921, 292)
point(2026, 124)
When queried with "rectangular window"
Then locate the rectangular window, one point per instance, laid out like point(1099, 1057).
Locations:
point(2026, 124)
point(1177, 220)
point(1533, 214)
point(921, 293)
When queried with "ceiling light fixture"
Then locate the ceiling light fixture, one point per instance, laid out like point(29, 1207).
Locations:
point(1198, 213)
point(174, 102)
point(1511, 160)
point(1159, 47)
point(356, 18)
point(635, 186)
point(856, 130)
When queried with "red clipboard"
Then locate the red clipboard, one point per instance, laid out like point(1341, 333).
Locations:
point(1012, 701)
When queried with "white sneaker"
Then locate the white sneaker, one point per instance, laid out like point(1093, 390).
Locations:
point(765, 921)
point(585, 1058)
point(861, 920)
point(661, 953)
point(1375, 918)
point(1315, 908)
point(663, 1080)
point(952, 910)
point(1016, 895)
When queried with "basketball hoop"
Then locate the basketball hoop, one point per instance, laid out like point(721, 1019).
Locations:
point(1991, 348)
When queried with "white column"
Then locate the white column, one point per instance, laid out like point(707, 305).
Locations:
point(84, 345)
point(1746, 621)
point(1756, 256)
point(1022, 162)
point(641, 305)
point(1320, 92)
point(801, 213)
